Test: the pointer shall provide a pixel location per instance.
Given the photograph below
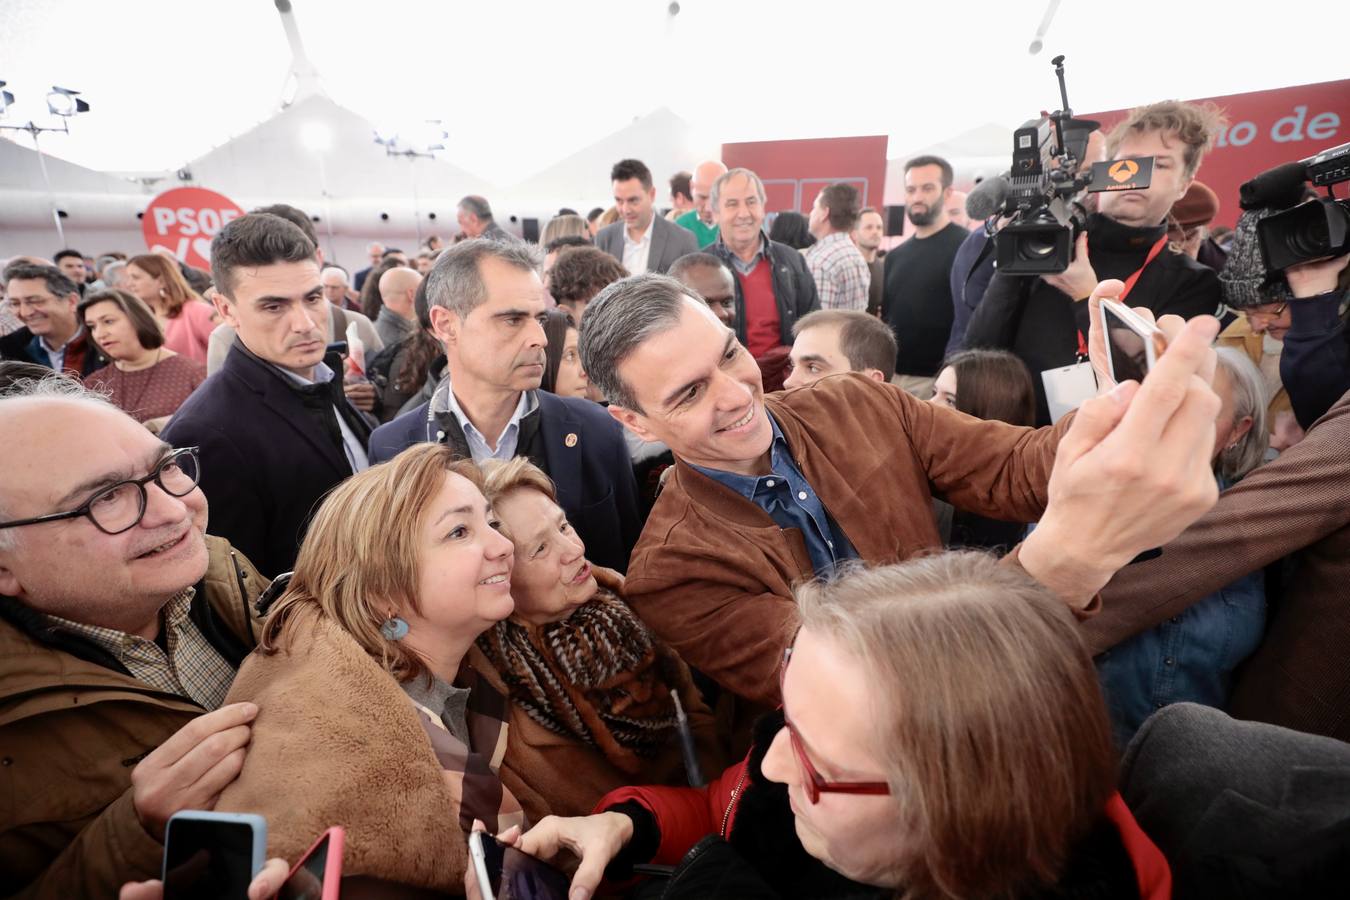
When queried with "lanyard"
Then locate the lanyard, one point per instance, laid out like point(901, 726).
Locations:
point(1129, 286)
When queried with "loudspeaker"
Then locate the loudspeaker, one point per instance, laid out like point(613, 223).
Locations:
point(895, 221)
point(529, 230)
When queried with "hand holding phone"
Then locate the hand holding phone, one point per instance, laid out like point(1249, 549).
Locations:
point(318, 874)
point(1133, 344)
point(502, 872)
point(211, 855)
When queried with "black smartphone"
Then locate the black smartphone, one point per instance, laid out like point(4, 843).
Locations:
point(212, 856)
point(505, 873)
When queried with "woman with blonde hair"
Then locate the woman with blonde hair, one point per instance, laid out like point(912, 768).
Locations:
point(593, 692)
point(942, 736)
point(564, 226)
point(366, 716)
point(187, 319)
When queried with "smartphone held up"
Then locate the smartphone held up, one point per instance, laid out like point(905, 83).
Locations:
point(1133, 344)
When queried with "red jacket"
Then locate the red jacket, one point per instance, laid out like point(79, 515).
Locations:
point(685, 815)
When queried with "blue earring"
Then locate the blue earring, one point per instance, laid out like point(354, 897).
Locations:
point(394, 629)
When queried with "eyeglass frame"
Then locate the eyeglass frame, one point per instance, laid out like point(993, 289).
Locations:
point(140, 483)
point(1279, 311)
point(815, 784)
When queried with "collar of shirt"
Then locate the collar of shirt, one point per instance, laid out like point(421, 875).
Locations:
point(780, 458)
point(119, 643)
point(61, 351)
point(445, 401)
point(646, 235)
point(761, 252)
point(352, 446)
point(322, 374)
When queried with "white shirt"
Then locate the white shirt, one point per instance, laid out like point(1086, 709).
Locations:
point(356, 452)
point(636, 253)
point(58, 355)
point(507, 441)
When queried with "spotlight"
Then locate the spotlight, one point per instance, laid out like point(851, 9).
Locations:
point(65, 103)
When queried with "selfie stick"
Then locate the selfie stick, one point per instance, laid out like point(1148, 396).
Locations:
point(691, 767)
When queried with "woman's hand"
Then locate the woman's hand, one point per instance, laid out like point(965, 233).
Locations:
point(593, 840)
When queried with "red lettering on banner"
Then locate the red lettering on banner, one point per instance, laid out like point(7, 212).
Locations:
point(184, 220)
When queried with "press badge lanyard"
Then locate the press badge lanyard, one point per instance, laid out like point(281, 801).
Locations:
point(1129, 286)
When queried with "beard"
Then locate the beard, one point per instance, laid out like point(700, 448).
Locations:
point(927, 217)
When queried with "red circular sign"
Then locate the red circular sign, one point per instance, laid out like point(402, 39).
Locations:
point(184, 220)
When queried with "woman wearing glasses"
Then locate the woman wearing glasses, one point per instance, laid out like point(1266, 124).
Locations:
point(942, 735)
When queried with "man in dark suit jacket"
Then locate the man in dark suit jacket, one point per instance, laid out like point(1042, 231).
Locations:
point(275, 429)
point(485, 302)
point(641, 240)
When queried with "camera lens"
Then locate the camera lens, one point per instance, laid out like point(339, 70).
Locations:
point(1037, 247)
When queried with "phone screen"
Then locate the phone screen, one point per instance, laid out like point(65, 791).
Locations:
point(518, 876)
point(306, 882)
point(207, 860)
point(1129, 358)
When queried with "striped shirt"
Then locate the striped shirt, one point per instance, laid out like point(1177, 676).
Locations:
point(191, 668)
point(841, 274)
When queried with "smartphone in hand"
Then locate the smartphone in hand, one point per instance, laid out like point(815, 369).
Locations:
point(318, 874)
point(1133, 345)
point(211, 855)
point(505, 873)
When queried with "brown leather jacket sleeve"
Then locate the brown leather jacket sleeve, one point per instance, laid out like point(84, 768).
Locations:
point(111, 850)
point(1278, 509)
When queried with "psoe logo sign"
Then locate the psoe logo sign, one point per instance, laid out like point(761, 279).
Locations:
point(1123, 170)
point(184, 220)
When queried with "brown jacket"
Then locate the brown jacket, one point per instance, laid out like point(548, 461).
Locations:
point(1297, 507)
point(337, 742)
point(712, 574)
point(71, 730)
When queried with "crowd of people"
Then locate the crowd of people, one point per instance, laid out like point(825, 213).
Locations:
point(532, 537)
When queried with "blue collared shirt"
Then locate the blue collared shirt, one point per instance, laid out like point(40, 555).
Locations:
point(445, 401)
point(355, 450)
point(791, 502)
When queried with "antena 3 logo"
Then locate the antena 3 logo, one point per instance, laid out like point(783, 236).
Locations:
point(1123, 170)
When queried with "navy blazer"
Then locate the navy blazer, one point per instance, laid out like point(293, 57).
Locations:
point(593, 472)
point(264, 466)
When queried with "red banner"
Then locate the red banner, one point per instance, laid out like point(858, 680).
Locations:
point(184, 220)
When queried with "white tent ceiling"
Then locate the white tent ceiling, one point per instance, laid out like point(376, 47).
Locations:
point(523, 85)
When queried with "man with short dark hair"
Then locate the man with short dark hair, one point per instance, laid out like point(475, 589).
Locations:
point(867, 236)
point(72, 265)
point(593, 220)
point(579, 274)
point(44, 300)
point(486, 307)
point(641, 240)
point(121, 626)
point(917, 293)
point(712, 280)
point(681, 195)
point(841, 273)
point(774, 288)
point(475, 220)
point(275, 428)
point(831, 341)
point(375, 252)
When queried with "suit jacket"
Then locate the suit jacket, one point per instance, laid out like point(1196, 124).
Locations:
point(265, 467)
point(1241, 809)
point(583, 452)
point(1297, 507)
point(669, 243)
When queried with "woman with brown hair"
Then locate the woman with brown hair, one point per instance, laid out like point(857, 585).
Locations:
point(187, 319)
point(366, 717)
point(592, 691)
point(942, 735)
point(145, 379)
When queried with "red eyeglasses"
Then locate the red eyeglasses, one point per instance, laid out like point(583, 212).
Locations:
point(815, 784)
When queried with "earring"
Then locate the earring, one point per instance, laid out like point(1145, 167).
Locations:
point(394, 628)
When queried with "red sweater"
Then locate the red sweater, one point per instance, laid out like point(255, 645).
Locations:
point(685, 815)
point(761, 309)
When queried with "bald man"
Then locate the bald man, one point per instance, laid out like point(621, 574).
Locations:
point(699, 220)
point(397, 319)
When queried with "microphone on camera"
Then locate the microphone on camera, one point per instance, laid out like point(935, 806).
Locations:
point(1277, 188)
point(987, 197)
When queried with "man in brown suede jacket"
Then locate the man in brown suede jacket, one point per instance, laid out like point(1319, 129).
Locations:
point(768, 491)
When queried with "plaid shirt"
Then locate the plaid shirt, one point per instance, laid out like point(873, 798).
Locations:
point(191, 668)
point(841, 274)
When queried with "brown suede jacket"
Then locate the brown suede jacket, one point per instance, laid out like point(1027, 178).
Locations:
point(71, 731)
point(712, 575)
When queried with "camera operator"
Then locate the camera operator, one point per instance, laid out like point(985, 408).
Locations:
point(1044, 319)
point(1315, 365)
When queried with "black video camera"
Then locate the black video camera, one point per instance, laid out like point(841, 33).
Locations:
point(1044, 212)
point(1312, 230)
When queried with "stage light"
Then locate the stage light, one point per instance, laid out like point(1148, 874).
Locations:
point(65, 103)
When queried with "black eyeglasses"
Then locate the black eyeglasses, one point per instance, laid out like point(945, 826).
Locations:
point(120, 507)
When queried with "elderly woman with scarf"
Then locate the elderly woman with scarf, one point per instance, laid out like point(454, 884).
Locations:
point(592, 690)
point(366, 717)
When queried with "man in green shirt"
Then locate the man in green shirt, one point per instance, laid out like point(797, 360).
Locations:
point(699, 220)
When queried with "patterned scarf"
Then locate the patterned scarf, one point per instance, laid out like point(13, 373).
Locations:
point(471, 771)
point(596, 675)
